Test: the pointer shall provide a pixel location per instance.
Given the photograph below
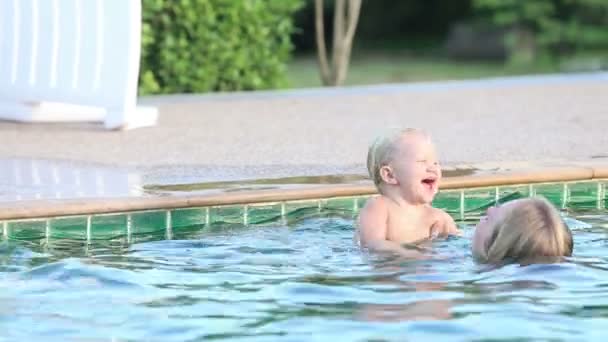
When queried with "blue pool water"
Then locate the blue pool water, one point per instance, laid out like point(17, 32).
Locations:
point(297, 282)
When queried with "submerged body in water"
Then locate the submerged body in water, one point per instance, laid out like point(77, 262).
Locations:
point(294, 281)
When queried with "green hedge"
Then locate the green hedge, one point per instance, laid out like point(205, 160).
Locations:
point(215, 45)
point(558, 26)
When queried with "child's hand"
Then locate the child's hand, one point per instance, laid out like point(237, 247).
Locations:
point(443, 226)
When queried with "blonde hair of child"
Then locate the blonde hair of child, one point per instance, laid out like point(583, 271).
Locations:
point(532, 231)
point(381, 152)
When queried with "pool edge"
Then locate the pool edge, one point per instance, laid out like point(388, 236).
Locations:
point(54, 208)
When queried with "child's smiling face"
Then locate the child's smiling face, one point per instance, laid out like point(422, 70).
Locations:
point(415, 168)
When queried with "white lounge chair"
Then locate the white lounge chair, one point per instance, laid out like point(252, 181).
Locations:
point(71, 60)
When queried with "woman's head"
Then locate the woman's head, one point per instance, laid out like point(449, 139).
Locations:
point(522, 231)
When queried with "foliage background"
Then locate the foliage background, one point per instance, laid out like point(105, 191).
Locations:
point(226, 45)
point(215, 45)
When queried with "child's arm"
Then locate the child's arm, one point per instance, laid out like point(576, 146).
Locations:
point(450, 225)
point(373, 221)
point(373, 230)
point(444, 225)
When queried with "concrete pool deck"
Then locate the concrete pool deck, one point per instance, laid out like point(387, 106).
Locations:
point(486, 124)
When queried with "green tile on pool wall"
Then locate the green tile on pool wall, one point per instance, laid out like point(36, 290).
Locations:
point(604, 188)
point(27, 230)
point(259, 214)
point(303, 209)
point(293, 207)
point(479, 200)
point(227, 214)
point(476, 201)
point(509, 193)
point(106, 227)
point(605, 194)
point(345, 205)
point(153, 224)
point(69, 228)
point(448, 201)
point(363, 200)
point(188, 217)
point(148, 222)
point(553, 192)
point(583, 195)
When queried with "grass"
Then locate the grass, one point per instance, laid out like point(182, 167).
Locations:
point(376, 68)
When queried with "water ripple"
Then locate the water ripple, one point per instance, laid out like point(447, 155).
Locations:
point(307, 280)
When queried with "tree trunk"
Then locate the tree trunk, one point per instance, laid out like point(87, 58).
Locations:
point(345, 25)
point(352, 19)
point(321, 48)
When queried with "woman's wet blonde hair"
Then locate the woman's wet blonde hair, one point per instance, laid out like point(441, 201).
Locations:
point(382, 150)
point(531, 231)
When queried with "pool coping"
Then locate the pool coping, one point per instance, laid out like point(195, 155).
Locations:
point(69, 207)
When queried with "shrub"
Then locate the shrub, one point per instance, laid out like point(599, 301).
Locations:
point(555, 27)
point(215, 45)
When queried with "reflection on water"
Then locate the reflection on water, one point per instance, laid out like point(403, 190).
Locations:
point(32, 179)
point(296, 282)
point(27, 179)
point(273, 183)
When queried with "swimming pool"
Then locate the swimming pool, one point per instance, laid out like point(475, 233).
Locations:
point(291, 271)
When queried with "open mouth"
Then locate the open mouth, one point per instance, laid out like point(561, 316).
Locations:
point(429, 182)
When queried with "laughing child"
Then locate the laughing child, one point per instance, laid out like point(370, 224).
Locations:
point(406, 172)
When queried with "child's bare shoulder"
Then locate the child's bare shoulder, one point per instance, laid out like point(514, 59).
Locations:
point(375, 205)
point(378, 200)
point(373, 220)
point(440, 213)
